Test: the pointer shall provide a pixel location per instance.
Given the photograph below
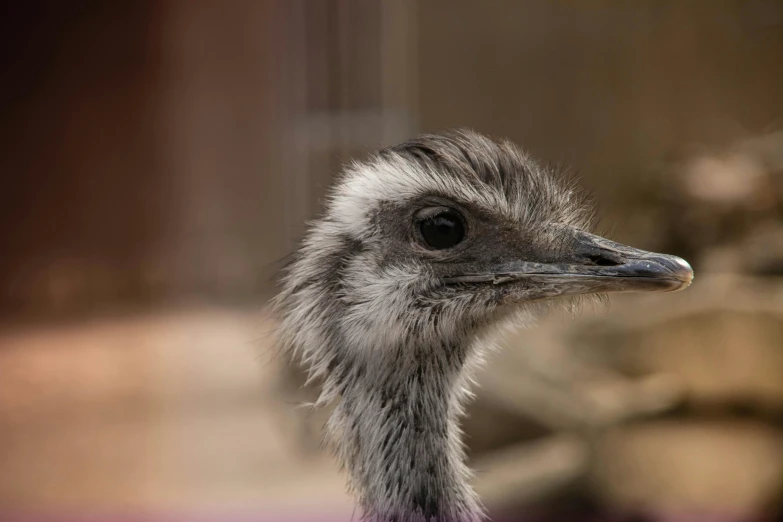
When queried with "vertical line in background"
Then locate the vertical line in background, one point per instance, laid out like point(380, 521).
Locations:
point(349, 87)
point(340, 76)
point(333, 74)
point(398, 69)
point(385, 71)
point(293, 41)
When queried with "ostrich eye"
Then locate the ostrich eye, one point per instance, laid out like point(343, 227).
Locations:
point(442, 230)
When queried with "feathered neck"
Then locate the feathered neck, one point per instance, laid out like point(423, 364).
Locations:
point(396, 431)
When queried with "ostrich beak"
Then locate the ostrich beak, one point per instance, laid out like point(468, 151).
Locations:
point(592, 265)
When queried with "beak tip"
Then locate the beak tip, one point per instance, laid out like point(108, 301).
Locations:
point(683, 271)
point(683, 264)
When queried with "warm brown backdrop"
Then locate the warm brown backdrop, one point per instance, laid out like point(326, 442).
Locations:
point(159, 159)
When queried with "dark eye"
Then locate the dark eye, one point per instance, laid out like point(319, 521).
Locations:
point(443, 230)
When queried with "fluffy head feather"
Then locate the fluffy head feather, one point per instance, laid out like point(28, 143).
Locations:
point(360, 279)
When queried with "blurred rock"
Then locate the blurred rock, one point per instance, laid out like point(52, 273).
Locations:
point(689, 466)
point(724, 345)
point(716, 199)
point(758, 254)
point(527, 472)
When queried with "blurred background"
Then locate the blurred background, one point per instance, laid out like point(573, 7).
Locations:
point(160, 158)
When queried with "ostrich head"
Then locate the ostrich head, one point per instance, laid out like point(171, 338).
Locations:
point(421, 251)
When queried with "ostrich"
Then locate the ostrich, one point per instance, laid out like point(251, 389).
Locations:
point(391, 299)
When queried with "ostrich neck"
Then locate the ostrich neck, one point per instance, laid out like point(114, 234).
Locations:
point(400, 437)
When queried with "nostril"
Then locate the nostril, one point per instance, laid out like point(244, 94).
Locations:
point(603, 260)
